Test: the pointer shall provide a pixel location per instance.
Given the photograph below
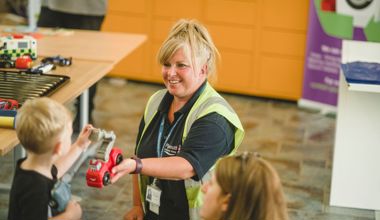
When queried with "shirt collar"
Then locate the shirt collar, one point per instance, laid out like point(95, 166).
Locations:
point(168, 98)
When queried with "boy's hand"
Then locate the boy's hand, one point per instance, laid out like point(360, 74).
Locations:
point(73, 210)
point(83, 140)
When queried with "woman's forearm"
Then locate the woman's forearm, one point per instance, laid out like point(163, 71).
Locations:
point(173, 168)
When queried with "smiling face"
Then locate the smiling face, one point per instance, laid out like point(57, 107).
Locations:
point(215, 202)
point(181, 77)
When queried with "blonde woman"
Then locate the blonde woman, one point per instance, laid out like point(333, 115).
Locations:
point(185, 129)
point(244, 187)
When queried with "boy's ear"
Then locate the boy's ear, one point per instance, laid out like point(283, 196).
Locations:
point(225, 202)
point(57, 150)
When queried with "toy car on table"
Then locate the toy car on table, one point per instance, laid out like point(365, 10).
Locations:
point(8, 104)
point(58, 60)
point(41, 68)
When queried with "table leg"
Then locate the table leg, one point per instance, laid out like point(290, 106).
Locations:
point(84, 108)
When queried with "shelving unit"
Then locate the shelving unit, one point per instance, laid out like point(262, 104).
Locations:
point(262, 55)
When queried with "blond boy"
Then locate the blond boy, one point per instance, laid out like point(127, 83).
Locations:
point(44, 128)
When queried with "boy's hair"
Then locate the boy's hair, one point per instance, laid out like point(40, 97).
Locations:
point(255, 188)
point(39, 123)
point(197, 43)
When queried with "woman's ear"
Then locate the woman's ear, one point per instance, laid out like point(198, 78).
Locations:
point(204, 69)
point(225, 202)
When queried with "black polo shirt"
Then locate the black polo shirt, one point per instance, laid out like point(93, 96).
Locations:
point(209, 138)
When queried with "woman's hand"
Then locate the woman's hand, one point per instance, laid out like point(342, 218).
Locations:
point(83, 139)
point(136, 213)
point(125, 167)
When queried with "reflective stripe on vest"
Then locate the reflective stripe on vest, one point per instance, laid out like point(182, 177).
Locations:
point(209, 101)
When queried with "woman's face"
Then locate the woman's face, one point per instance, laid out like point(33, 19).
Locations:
point(214, 201)
point(181, 78)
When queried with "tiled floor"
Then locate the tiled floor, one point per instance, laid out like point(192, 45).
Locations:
point(299, 143)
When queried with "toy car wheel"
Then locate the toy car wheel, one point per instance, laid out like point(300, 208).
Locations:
point(106, 178)
point(119, 159)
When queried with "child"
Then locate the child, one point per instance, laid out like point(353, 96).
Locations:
point(244, 187)
point(44, 128)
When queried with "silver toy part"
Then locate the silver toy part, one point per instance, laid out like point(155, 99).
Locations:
point(107, 139)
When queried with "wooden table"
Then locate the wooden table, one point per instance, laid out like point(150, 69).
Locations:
point(94, 55)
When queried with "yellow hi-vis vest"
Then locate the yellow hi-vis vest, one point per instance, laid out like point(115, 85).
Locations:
point(209, 101)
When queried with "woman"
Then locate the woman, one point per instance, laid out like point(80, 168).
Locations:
point(185, 129)
point(244, 187)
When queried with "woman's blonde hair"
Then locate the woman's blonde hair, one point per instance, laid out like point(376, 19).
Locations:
point(39, 123)
point(254, 187)
point(196, 41)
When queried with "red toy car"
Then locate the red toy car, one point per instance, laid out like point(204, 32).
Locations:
point(24, 62)
point(8, 104)
point(99, 172)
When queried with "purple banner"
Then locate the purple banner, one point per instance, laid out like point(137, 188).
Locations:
point(323, 53)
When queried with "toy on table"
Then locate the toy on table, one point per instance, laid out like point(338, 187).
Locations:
point(4, 63)
point(41, 68)
point(7, 118)
point(16, 45)
point(23, 62)
point(8, 104)
point(99, 172)
point(58, 60)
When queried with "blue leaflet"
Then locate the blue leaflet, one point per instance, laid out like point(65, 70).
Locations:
point(362, 72)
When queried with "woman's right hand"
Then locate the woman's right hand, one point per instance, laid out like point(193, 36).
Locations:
point(136, 213)
point(125, 167)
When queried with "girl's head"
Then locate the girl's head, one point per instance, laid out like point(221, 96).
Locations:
point(245, 187)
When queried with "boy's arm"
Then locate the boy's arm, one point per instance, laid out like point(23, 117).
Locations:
point(66, 161)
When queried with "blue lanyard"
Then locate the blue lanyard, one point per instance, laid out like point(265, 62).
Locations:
point(160, 150)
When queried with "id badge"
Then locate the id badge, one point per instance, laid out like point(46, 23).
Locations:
point(153, 196)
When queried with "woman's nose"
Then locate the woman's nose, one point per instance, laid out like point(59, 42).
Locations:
point(172, 70)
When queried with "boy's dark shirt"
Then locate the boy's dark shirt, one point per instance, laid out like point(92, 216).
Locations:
point(30, 194)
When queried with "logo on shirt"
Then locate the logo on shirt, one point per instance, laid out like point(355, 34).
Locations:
point(172, 150)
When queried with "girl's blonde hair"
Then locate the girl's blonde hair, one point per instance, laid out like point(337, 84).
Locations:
point(196, 41)
point(40, 122)
point(254, 187)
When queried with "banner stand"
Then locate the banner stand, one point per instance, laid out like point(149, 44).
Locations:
point(324, 109)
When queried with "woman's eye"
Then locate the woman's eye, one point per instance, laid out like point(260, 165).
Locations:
point(166, 65)
point(181, 65)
